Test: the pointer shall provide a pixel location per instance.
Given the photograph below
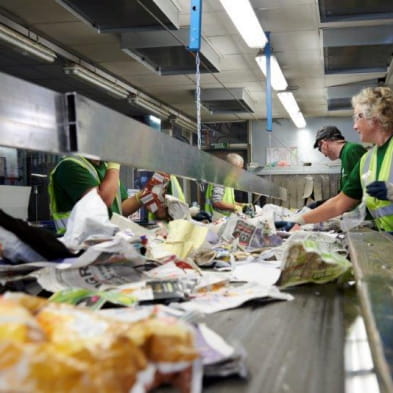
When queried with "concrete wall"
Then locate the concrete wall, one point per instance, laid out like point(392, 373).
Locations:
point(285, 134)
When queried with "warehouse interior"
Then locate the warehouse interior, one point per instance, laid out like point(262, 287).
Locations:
point(173, 86)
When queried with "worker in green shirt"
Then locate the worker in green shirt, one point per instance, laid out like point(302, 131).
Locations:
point(372, 177)
point(332, 144)
point(75, 176)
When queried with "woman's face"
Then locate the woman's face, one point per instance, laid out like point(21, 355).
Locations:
point(364, 127)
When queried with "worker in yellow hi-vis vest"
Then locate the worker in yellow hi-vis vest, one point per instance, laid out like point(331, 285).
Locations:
point(75, 176)
point(221, 199)
point(371, 180)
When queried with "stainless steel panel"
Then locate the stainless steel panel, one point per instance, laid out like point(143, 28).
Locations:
point(125, 15)
point(357, 49)
point(166, 52)
point(348, 10)
point(104, 133)
point(223, 100)
point(339, 97)
point(31, 117)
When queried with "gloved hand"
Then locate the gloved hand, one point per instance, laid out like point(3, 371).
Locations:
point(238, 208)
point(284, 225)
point(113, 165)
point(380, 190)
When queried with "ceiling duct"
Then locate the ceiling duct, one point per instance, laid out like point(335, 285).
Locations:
point(220, 100)
point(125, 15)
point(339, 97)
point(357, 49)
point(165, 52)
point(348, 10)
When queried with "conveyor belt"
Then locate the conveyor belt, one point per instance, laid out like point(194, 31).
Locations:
point(295, 346)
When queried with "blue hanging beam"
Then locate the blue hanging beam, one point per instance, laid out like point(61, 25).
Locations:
point(269, 111)
point(195, 26)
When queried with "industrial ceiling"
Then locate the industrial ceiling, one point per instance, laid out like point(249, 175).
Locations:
point(327, 49)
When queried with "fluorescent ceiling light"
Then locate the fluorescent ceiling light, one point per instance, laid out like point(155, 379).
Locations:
point(26, 45)
point(243, 17)
point(154, 109)
point(289, 103)
point(278, 80)
point(89, 76)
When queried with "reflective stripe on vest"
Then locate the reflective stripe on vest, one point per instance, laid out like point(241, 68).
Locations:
point(176, 189)
point(229, 197)
point(382, 211)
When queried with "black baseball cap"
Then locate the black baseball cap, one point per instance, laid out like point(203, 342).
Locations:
point(328, 132)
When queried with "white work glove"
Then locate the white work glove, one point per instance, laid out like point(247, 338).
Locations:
point(113, 165)
point(297, 219)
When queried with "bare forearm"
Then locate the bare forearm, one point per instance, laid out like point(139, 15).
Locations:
point(130, 205)
point(224, 206)
point(333, 207)
point(109, 186)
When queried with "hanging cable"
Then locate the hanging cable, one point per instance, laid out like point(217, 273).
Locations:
point(198, 98)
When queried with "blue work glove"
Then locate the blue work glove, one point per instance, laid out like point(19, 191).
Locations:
point(378, 189)
point(284, 225)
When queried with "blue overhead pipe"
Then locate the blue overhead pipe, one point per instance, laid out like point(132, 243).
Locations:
point(269, 112)
point(195, 26)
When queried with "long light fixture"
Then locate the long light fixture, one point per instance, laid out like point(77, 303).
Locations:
point(186, 124)
point(289, 103)
point(154, 109)
point(278, 80)
point(243, 17)
point(89, 76)
point(26, 45)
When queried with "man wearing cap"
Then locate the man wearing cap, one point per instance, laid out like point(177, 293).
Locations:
point(332, 144)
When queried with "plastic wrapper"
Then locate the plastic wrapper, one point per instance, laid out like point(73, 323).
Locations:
point(316, 258)
point(88, 217)
point(16, 251)
point(177, 209)
point(60, 348)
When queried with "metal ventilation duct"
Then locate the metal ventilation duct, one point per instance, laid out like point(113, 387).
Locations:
point(339, 97)
point(347, 10)
point(357, 49)
point(165, 52)
point(235, 100)
point(125, 15)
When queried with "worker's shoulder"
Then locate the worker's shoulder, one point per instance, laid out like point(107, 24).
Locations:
point(68, 165)
point(355, 147)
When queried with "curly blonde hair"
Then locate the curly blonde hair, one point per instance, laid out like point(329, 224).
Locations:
point(376, 102)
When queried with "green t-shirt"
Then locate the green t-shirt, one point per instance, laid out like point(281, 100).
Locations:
point(350, 155)
point(71, 181)
point(353, 185)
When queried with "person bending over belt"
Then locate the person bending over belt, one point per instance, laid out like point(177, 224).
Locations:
point(331, 143)
point(75, 176)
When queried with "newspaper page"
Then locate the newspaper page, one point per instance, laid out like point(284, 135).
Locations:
point(232, 297)
point(88, 277)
